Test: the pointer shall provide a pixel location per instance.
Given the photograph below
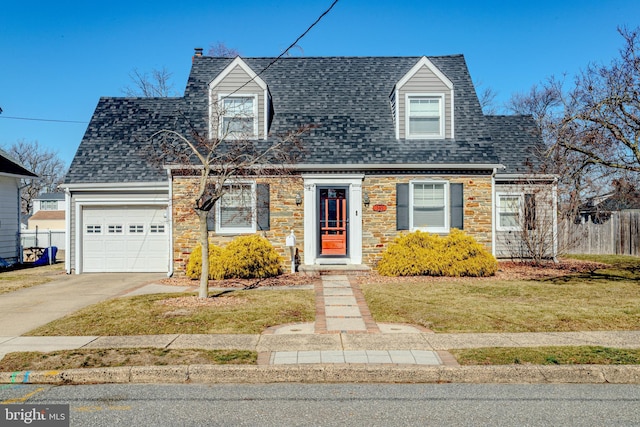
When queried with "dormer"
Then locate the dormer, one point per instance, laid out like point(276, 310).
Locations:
point(422, 103)
point(239, 103)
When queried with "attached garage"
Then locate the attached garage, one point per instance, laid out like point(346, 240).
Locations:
point(125, 239)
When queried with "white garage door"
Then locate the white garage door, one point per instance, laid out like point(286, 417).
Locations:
point(125, 239)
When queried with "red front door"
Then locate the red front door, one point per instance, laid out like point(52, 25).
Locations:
point(333, 221)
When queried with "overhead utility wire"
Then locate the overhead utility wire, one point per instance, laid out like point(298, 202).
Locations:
point(284, 52)
point(42, 120)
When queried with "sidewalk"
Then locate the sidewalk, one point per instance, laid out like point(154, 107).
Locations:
point(344, 336)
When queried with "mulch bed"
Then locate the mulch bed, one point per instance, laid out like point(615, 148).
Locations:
point(508, 270)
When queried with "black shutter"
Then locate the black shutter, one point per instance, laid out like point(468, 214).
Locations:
point(402, 206)
point(456, 198)
point(263, 201)
point(211, 218)
point(530, 211)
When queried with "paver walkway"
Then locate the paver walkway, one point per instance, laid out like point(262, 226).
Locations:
point(342, 309)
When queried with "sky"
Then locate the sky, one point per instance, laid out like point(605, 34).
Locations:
point(57, 58)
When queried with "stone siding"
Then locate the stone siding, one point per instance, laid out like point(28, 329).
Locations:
point(379, 228)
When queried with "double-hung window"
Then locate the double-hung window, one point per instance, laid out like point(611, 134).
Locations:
point(510, 209)
point(236, 209)
point(429, 206)
point(238, 116)
point(425, 116)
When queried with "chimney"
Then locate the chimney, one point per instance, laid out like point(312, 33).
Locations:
point(197, 53)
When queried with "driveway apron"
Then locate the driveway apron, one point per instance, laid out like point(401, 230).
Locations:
point(27, 309)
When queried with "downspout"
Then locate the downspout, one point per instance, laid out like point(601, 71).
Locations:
point(170, 220)
point(19, 250)
point(554, 192)
point(493, 212)
point(67, 227)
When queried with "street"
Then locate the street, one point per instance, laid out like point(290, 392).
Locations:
point(337, 404)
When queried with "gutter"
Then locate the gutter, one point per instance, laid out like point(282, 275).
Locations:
point(170, 219)
point(363, 166)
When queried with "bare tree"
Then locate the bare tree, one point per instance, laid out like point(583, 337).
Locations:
point(487, 97)
point(157, 83)
point(225, 154)
point(43, 162)
point(602, 114)
point(220, 50)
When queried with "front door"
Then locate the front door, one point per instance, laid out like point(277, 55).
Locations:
point(334, 220)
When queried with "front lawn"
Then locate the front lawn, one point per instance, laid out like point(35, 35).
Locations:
point(232, 312)
point(14, 279)
point(594, 298)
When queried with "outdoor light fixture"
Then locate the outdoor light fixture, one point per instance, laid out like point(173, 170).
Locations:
point(365, 199)
point(298, 199)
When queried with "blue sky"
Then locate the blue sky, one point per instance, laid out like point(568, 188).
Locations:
point(58, 58)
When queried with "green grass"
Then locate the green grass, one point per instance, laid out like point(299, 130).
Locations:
point(100, 358)
point(548, 356)
point(605, 299)
point(238, 312)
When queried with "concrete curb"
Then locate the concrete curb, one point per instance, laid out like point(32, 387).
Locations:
point(251, 374)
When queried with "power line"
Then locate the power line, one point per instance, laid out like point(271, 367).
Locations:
point(42, 120)
point(284, 52)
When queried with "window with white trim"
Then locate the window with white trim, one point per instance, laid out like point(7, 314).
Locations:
point(236, 209)
point(136, 228)
point(509, 211)
point(49, 205)
point(429, 209)
point(425, 116)
point(114, 229)
point(157, 229)
point(93, 229)
point(238, 116)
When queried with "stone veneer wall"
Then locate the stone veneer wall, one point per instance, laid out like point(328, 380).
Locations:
point(378, 228)
point(285, 216)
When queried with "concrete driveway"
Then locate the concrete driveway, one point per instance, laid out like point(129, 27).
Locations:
point(26, 309)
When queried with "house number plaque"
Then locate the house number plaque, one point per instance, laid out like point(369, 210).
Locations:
point(380, 208)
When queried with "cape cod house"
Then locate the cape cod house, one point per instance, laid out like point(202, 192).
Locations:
point(398, 144)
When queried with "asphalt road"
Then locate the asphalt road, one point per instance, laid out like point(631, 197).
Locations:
point(337, 404)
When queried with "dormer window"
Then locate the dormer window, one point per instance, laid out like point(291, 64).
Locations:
point(239, 116)
point(425, 116)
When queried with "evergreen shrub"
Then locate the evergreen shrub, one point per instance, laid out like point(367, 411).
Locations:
point(245, 257)
point(424, 254)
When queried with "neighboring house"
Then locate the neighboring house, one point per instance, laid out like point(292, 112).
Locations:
point(48, 212)
point(398, 144)
point(624, 197)
point(11, 172)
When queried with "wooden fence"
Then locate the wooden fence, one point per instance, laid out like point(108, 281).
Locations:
point(619, 235)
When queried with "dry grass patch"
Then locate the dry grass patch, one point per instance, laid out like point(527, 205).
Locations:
point(12, 280)
point(92, 358)
point(597, 297)
point(584, 355)
point(231, 312)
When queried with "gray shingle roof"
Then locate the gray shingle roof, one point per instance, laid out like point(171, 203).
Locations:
point(9, 165)
point(347, 98)
point(517, 142)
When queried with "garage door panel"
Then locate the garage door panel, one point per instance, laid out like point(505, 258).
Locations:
point(125, 239)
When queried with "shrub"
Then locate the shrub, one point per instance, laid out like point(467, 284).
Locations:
point(424, 254)
point(251, 256)
point(245, 257)
point(194, 266)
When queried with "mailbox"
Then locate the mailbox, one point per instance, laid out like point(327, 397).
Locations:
point(290, 242)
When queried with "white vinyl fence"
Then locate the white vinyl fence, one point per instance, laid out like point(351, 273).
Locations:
point(619, 235)
point(42, 239)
